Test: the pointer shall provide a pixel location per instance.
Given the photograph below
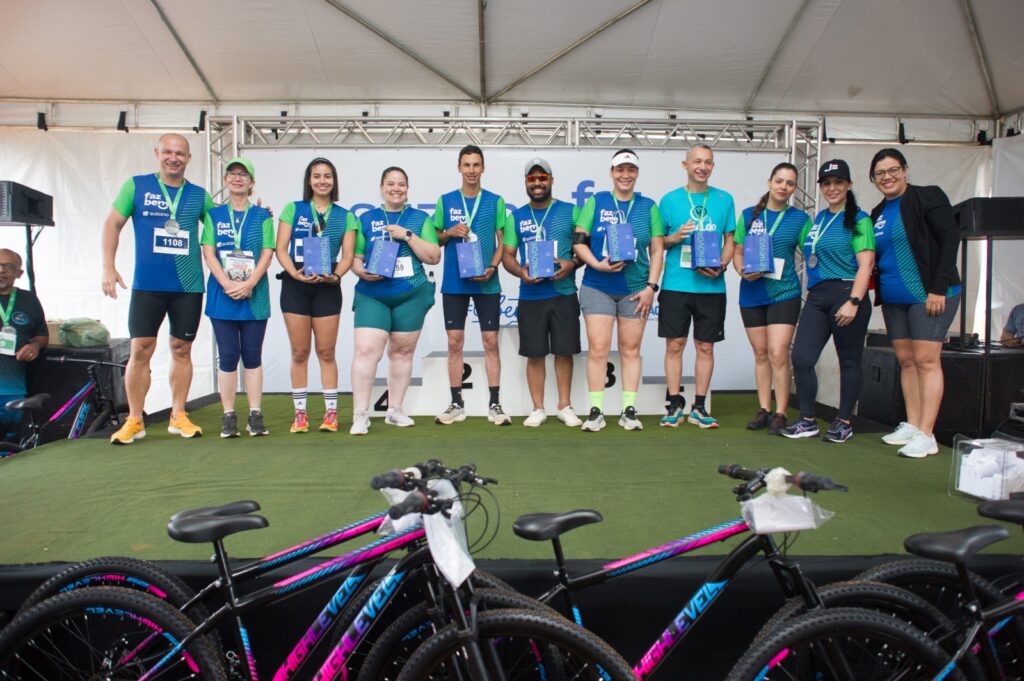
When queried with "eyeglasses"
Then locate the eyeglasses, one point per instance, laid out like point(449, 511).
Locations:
point(9, 267)
point(538, 177)
point(239, 174)
point(891, 172)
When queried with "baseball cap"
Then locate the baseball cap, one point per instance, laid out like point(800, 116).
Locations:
point(537, 162)
point(625, 156)
point(244, 162)
point(834, 168)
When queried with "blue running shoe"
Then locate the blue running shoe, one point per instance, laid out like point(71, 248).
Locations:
point(801, 428)
point(700, 417)
point(839, 431)
point(674, 417)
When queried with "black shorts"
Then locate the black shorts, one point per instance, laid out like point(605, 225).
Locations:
point(707, 310)
point(310, 300)
point(456, 309)
point(147, 310)
point(549, 326)
point(782, 312)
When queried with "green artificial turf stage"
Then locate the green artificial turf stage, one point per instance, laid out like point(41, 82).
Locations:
point(74, 500)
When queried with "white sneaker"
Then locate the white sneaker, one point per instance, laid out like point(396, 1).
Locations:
point(397, 417)
point(629, 421)
point(536, 418)
point(451, 415)
point(569, 418)
point(920, 446)
point(594, 422)
point(901, 436)
point(498, 417)
point(360, 423)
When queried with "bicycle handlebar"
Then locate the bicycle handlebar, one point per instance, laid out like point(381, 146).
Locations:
point(79, 360)
point(416, 502)
point(808, 482)
point(415, 477)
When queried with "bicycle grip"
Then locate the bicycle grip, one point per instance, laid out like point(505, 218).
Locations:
point(416, 502)
point(393, 478)
point(736, 471)
point(809, 482)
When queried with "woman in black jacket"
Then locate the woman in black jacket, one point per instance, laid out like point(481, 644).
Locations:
point(916, 241)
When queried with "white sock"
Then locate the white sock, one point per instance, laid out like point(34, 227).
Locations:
point(299, 396)
point(331, 399)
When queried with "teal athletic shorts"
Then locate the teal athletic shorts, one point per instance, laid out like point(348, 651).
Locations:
point(404, 312)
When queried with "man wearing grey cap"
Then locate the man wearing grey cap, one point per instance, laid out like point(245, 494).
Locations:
point(549, 311)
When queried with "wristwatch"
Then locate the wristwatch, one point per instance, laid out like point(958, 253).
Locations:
point(653, 286)
point(855, 300)
point(408, 234)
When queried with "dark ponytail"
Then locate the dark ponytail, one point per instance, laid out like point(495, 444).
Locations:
point(763, 203)
point(850, 214)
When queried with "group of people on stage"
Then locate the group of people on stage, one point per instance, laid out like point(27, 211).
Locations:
point(632, 250)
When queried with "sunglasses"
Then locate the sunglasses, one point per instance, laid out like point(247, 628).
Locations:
point(538, 177)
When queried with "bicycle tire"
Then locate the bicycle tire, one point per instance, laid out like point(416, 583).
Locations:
point(99, 423)
point(939, 583)
point(515, 636)
point(9, 449)
point(400, 639)
point(121, 633)
point(872, 646)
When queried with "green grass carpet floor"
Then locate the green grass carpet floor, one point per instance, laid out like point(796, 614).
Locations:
point(73, 500)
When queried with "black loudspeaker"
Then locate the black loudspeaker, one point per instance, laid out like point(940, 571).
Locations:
point(976, 399)
point(996, 217)
point(21, 205)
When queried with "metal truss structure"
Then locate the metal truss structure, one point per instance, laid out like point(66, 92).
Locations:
point(799, 139)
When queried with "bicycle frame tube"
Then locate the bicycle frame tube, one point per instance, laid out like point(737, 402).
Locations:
point(81, 394)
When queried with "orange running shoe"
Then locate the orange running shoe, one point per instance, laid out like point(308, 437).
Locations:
point(181, 425)
point(301, 423)
point(330, 424)
point(133, 429)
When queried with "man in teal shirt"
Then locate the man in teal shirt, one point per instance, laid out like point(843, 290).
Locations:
point(694, 215)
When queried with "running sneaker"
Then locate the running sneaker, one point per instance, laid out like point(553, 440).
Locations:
point(699, 416)
point(181, 425)
point(301, 422)
point(360, 422)
point(801, 428)
point(131, 430)
point(920, 446)
point(453, 414)
point(330, 423)
point(839, 431)
point(628, 419)
point(595, 421)
point(255, 425)
point(778, 424)
point(498, 417)
point(568, 416)
point(229, 427)
point(761, 421)
point(396, 417)
point(674, 417)
point(903, 434)
point(535, 419)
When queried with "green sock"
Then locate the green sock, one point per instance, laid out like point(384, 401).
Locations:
point(597, 399)
point(628, 399)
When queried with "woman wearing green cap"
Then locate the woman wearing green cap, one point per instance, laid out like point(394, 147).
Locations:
point(238, 245)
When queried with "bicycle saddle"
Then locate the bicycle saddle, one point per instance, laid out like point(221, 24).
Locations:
point(34, 403)
point(1008, 510)
point(540, 526)
point(233, 508)
point(195, 529)
point(958, 546)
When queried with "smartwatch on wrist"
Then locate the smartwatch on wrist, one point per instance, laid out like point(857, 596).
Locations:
point(855, 300)
point(653, 286)
point(408, 234)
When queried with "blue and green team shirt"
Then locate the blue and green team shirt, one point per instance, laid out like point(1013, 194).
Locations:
point(558, 222)
point(165, 262)
point(837, 247)
point(489, 220)
point(719, 213)
point(785, 242)
point(28, 321)
point(257, 233)
point(299, 215)
point(602, 209)
point(371, 231)
point(898, 276)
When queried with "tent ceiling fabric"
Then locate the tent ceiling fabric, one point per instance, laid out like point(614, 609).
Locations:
point(858, 56)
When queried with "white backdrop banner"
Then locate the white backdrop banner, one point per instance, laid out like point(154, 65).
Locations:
point(432, 172)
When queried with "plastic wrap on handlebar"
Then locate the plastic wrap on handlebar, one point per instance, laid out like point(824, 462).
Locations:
point(736, 471)
point(809, 482)
point(393, 478)
point(416, 502)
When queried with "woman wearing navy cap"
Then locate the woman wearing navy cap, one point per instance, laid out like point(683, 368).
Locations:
point(839, 252)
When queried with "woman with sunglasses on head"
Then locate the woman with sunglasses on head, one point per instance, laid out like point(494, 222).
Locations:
point(315, 246)
point(390, 307)
point(839, 252)
point(919, 290)
point(238, 245)
point(770, 299)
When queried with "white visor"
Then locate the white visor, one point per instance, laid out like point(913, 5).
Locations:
point(625, 157)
